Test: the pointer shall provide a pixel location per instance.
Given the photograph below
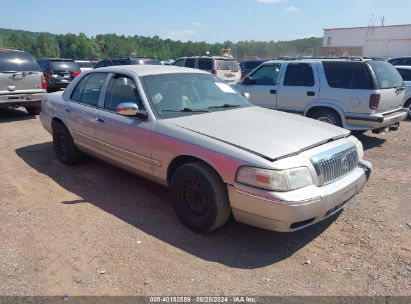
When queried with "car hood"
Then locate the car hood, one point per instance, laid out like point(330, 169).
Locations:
point(268, 133)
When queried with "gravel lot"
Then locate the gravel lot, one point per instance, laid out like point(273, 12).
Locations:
point(94, 229)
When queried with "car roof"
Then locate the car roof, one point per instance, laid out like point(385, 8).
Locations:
point(314, 60)
point(144, 70)
point(56, 59)
point(211, 57)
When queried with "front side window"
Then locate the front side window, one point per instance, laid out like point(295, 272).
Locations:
point(299, 75)
point(122, 89)
point(347, 75)
point(88, 89)
point(175, 95)
point(179, 62)
point(266, 75)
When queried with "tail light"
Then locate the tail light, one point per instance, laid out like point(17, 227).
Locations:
point(374, 101)
point(43, 83)
point(214, 72)
point(75, 74)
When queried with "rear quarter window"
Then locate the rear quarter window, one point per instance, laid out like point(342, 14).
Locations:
point(18, 62)
point(387, 76)
point(347, 75)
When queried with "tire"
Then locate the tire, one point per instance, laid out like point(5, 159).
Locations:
point(33, 110)
point(327, 116)
point(200, 197)
point(64, 146)
point(408, 105)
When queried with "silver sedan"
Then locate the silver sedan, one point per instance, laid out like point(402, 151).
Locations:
point(219, 154)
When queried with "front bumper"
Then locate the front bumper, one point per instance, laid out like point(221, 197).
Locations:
point(377, 121)
point(294, 210)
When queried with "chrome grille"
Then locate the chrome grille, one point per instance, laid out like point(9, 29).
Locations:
point(335, 164)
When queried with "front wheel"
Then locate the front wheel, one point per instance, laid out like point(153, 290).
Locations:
point(200, 197)
point(64, 146)
point(408, 106)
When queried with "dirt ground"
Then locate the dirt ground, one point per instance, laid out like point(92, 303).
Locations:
point(94, 229)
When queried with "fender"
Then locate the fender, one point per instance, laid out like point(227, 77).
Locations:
point(328, 103)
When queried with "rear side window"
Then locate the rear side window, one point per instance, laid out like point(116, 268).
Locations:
point(190, 63)
point(205, 64)
point(227, 65)
point(347, 75)
point(405, 74)
point(299, 75)
point(387, 76)
point(64, 65)
point(14, 61)
point(88, 89)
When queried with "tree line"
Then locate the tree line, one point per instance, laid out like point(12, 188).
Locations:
point(96, 48)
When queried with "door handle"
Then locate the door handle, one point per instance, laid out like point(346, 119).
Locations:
point(310, 93)
point(273, 91)
point(99, 119)
point(67, 110)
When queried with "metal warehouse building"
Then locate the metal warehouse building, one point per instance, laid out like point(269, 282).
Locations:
point(372, 41)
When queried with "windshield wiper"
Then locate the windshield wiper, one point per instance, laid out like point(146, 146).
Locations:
point(224, 106)
point(186, 110)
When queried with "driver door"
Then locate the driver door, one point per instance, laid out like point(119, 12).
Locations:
point(263, 87)
point(124, 140)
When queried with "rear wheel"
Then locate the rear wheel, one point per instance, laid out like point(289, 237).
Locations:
point(33, 110)
point(200, 197)
point(64, 146)
point(327, 116)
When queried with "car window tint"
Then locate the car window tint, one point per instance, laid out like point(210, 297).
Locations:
point(122, 89)
point(179, 63)
point(205, 64)
point(405, 74)
point(88, 89)
point(266, 75)
point(190, 63)
point(64, 65)
point(227, 65)
point(387, 76)
point(347, 75)
point(17, 61)
point(299, 74)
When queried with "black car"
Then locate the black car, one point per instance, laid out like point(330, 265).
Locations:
point(58, 72)
point(249, 65)
point(127, 61)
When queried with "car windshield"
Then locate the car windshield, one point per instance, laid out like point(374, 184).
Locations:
point(227, 64)
point(182, 94)
point(85, 64)
point(388, 77)
point(14, 61)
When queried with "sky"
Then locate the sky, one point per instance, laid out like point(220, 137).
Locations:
point(201, 20)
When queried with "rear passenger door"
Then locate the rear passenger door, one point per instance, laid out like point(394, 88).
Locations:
point(82, 107)
point(299, 86)
point(263, 87)
point(124, 140)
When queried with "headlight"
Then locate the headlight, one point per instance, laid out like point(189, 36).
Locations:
point(358, 145)
point(275, 180)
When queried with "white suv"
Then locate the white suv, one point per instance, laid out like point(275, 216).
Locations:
point(226, 68)
point(353, 93)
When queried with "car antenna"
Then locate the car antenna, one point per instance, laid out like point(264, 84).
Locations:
point(102, 42)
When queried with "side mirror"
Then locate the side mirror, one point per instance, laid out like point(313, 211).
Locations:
point(247, 80)
point(131, 109)
point(247, 95)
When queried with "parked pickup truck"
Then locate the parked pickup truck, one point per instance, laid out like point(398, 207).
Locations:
point(357, 94)
point(188, 130)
